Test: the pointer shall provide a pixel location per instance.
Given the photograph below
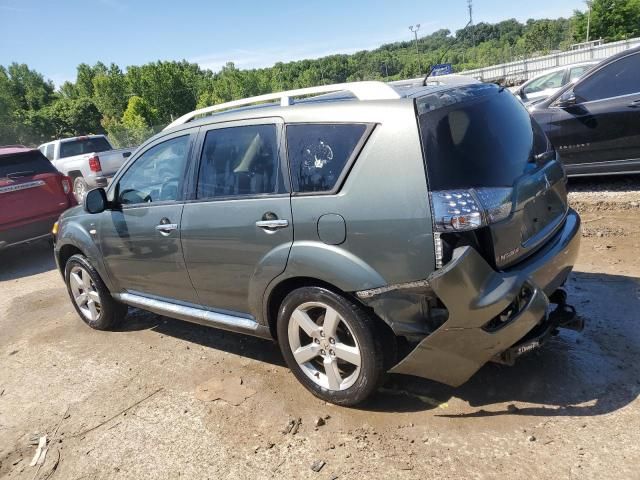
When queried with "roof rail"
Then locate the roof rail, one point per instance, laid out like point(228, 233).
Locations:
point(369, 90)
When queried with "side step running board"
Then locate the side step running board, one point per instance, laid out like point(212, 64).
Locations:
point(195, 314)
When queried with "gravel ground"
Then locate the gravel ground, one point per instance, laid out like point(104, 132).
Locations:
point(131, 403)
point(605, 193)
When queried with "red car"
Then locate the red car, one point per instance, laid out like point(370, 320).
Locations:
point(33, 194)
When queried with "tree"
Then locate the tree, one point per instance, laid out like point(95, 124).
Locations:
point(85, 76)
point(69, 117)
point(29, 88)
point(610, 20)
point(110, 92)
point(170, 88)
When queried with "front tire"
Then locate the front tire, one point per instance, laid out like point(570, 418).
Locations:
point(330, 344)
point(90, 296)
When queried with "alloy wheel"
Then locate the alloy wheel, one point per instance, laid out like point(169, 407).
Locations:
point(85, 293)
point(324, 346)
point(79, 188)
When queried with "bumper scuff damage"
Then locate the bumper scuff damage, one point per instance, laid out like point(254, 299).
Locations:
point(490, 312)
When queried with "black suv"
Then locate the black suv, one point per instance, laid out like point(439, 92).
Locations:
point(595, 123)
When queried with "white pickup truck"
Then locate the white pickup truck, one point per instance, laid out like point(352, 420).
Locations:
point(89, 160)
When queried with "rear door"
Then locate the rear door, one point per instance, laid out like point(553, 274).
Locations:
point(600, 132)
point(30, 189)
point(237, 230)
point(140, 235)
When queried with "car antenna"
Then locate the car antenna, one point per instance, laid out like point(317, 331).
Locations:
point(432, 67)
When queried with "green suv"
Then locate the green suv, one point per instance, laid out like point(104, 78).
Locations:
point(368, 227)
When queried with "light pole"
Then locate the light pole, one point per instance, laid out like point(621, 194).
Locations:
point(414, 29)
point(588, 2)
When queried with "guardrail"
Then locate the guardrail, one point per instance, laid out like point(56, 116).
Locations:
point(528, 68)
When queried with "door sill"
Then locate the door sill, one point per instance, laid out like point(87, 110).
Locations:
point(195, 314)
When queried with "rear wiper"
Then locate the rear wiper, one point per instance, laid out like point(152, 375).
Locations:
point(15, 175)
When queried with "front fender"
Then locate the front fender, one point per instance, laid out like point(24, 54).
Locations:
point(74, 232)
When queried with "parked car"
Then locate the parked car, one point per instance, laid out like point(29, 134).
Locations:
point(549, 82)
point(595, 124)
point(312, 222)
point(89, 160)
point(33, 194)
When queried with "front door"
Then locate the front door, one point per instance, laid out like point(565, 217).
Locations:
point(140, 236)
point(600, 131)
point(237, 231)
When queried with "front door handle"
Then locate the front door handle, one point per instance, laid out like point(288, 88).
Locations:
point(635, 104)
point(272, 224)
point(165, 227)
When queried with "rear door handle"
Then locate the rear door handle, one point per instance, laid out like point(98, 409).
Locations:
point(272, 224)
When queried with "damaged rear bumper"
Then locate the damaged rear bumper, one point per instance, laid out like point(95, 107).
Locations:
point(476, 295)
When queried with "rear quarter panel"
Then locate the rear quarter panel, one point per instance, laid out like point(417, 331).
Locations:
point(384, 202)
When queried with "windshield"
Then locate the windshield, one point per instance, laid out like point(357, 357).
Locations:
point(81, 146)
point(477, 136)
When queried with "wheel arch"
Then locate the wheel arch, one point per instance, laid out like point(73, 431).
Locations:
point(65, 253)
point(278, 293)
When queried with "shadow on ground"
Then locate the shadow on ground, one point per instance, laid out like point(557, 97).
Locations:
point(26, 260)
point(575, 374)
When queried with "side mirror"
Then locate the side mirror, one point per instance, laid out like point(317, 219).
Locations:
point(567, 99)
point(522, 95)
point(95, 201)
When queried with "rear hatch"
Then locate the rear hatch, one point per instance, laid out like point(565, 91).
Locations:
point(495, 181)
point(30, 188)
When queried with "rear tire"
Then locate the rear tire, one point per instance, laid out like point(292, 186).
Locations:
point(80, 188)
point(330, 344)
point(90, 296)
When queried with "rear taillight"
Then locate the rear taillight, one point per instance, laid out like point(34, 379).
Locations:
point(94, 164)
point(66, 184)
point(459, 210)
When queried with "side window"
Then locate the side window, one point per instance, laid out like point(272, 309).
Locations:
point(156, 175)
point(616, 79)
point(551, 80)
point(576, 72)
point(49, 151)
point(318, 153)
point(239, 161)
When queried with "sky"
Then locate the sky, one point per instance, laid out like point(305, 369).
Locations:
point(54, 36)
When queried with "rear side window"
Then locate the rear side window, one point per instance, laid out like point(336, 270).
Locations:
point(83, 145)
point(320, 153)
point(240, 161)
point(477, 136)
point(25, 164)
point(616, 79)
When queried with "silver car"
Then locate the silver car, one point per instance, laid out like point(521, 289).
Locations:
point(548, 83)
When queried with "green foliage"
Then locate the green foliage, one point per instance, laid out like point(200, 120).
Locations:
point(611, 20)
point(110, 91)
point(133, 103)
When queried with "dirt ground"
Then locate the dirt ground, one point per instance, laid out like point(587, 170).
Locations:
point(128, 404)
